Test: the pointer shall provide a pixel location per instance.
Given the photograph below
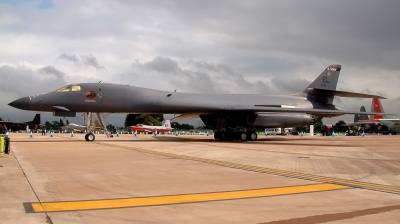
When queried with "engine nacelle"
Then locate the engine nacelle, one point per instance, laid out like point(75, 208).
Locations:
point(281, 120)
point(263, 120)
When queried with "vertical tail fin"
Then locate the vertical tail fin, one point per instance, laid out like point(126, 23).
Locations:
point(167, 124)
point(358, 117)
point(377, 107)
point(36, 120)
point(323, 88)
point(328, 79)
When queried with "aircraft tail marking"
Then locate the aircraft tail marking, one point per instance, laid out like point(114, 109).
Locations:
point(323, 88)
point(377, 107)
point(328, 79)
point(167, 124)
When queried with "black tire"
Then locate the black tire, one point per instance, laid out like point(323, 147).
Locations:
point(217, 135)
point(223, 136)
point(90, 137)
point(243, 136)
point(253, 136)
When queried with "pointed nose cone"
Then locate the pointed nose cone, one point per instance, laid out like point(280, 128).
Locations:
point(22, 103)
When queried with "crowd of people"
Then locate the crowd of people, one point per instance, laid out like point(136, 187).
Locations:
point(328, 130)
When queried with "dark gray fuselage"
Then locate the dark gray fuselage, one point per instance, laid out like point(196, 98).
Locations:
point(114, 98)
point(214, 109)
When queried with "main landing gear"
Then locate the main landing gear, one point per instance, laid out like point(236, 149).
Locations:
point(236, 135)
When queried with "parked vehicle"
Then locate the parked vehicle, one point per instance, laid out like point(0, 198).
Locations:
point(278, 131)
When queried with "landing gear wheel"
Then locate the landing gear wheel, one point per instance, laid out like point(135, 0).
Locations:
point(224, 136)
point(89, 137)
point(253, 136)
point(243, 136)
point(217, 135)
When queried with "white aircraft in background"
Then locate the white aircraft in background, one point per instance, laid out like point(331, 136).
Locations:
point(163, 128)
point(73, 127)
point(79, 128)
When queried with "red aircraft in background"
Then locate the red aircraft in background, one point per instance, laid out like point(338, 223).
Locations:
point(392, 123)
point(141, 127)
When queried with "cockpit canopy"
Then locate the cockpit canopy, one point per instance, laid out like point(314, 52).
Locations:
point(68, 88)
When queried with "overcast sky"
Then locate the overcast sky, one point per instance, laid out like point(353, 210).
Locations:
point(228, 46)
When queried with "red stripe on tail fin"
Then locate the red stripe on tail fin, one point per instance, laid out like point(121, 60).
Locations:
point(377, 108)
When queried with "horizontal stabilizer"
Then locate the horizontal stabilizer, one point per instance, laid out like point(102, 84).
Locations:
point(389, 119)
point(363, 123)
point(346, 94)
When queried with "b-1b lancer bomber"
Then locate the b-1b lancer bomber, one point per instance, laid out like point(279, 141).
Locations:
point(234, 114)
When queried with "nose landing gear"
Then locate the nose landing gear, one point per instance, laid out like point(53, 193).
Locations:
point(89, 137)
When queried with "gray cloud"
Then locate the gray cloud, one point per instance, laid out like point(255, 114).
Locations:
point(291, 85)
point(86, 60)
point(200, 77)
point(50, 70)
point(19, 81)
point(161, 64)
point(343, 31)
point(90, 60)
point(69, 57)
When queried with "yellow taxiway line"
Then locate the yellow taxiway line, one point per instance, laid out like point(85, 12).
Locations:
point(179, 199)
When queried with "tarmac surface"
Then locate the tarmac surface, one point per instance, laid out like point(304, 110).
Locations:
point(196, 179)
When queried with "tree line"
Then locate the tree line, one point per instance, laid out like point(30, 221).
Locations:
point(319, 125)
point(55, 125)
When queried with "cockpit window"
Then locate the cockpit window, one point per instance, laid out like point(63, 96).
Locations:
point(75, 88)
point(64, 89)
point(68, 88)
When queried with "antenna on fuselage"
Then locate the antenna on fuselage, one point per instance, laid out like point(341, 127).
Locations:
point(100, 82)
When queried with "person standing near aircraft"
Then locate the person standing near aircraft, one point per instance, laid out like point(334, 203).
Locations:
point(43, 130)
point(323, 130)
point(3, 129)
